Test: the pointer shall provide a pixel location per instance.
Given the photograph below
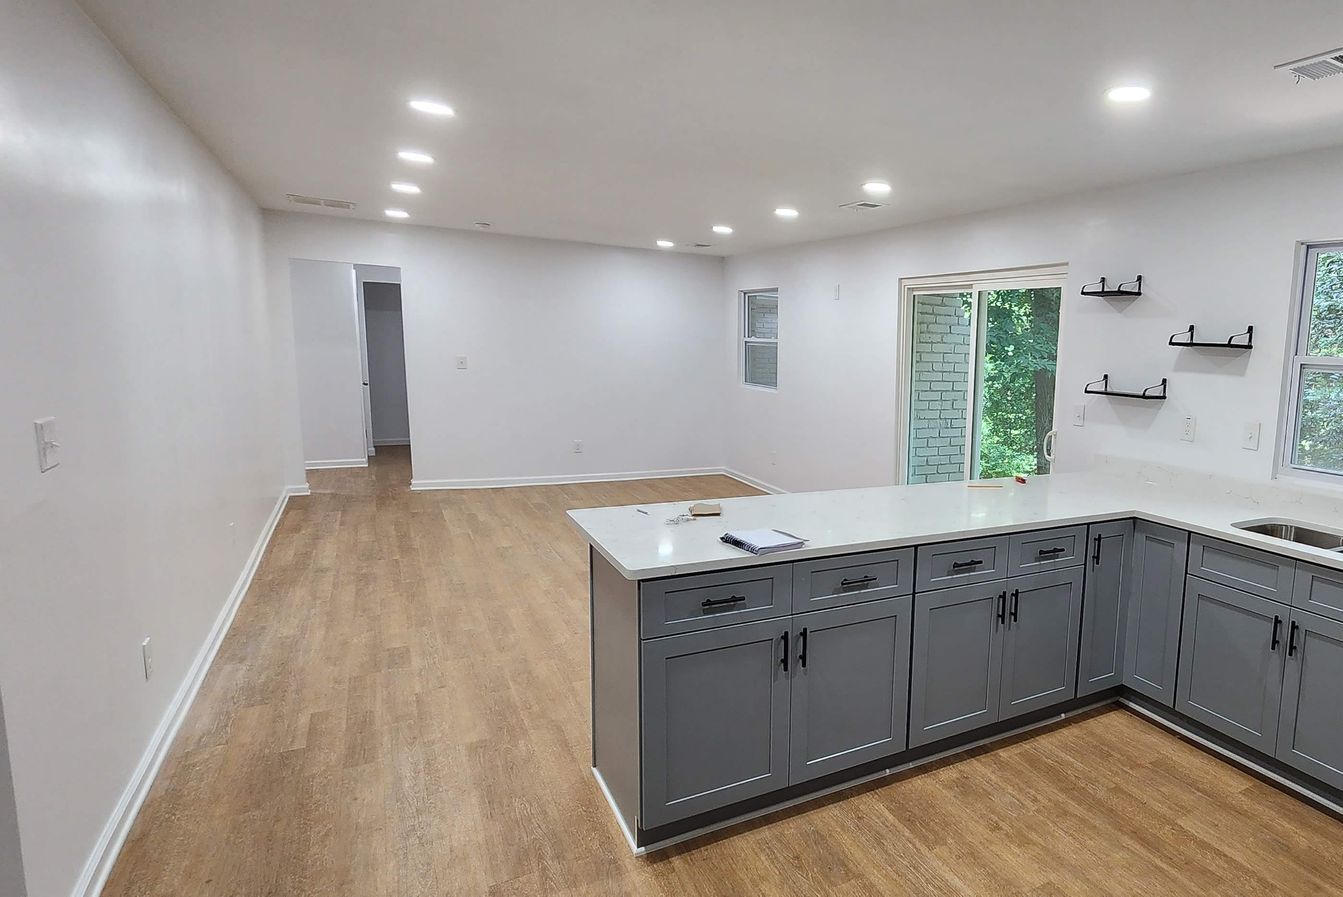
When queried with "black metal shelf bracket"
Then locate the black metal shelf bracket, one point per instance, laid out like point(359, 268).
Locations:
point(1149, 394)
point(1128, 290)
point(1185, 340)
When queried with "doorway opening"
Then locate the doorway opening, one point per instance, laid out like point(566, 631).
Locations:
point(387, 412)
point(980, 376)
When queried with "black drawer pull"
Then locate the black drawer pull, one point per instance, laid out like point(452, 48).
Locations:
point(966, 565)
point(1016, 603)
point(1291, 638)
point(1002, 607)
point(1057, 549)
point(860, 582)
point(1096, 558)
point(1277, 625)
point(784, 660)
point(802, 637)
point(722, 602)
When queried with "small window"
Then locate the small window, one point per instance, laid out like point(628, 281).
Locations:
point(760, 338)
point(1315, 383)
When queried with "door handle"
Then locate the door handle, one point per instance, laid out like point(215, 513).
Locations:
point(1277, 625)
point(1048, 445)
point(802, 656)
point(785, 651)
point(1016, 603)
point(1002, 607)
point(1291, 638)
point(1096, 555)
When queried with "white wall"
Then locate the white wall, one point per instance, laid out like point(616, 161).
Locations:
point(133, 311)
point(620, 348)
point(326, 353)
point(386, 363)
point(1216, 249)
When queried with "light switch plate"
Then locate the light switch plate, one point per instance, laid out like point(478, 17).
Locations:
point(48, 449)
point(1079, 415)
point(1249, 437)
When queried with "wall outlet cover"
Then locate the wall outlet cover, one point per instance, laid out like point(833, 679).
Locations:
point(578, 446)
point(461, 362)
point(1187, 431)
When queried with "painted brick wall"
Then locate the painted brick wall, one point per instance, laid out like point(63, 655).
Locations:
point(938, 403)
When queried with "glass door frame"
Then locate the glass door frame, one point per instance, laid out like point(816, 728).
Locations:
point(974, 283)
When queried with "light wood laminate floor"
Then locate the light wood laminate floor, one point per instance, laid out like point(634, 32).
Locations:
point(401, 708)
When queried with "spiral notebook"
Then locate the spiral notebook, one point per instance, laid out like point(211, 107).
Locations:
point(762, 541)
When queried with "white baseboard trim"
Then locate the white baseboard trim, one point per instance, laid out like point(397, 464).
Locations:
point(335, 463)
point(752, 481)
point(562, 479)
point(292, 491)
point(99, 865)
point(405, 440)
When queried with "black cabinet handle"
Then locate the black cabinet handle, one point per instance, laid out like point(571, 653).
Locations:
point(1044, 552)
point(1291, 638)
point(785, 651)
point(1277, 625)
point(802, 656)
point(1002, 607)
point(722, 602)
point(966, 565)
point(860, 582)
point(1016, 603)
point(1096, 556)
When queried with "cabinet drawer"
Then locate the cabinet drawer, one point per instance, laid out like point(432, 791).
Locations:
point(849, 579)
point(707, 600)
point(960, 563)
point(1247, 569)
point(1047, 549)
point(1318, 589)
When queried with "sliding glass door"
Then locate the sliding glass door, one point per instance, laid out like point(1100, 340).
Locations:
point(980, 400)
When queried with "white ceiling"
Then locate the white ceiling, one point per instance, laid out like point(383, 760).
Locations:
point(625, 121)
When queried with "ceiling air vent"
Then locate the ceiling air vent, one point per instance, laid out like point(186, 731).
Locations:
point(301, 200)
point(863, 205)
point(1315, 67)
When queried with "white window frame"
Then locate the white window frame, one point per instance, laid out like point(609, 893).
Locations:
point(746, 339)
point(1303, 298)
point(1034, 277)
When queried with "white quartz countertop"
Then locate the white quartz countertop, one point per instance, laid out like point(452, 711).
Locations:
point(639, 542)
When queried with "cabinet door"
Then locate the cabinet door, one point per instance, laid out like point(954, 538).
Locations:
point(1152, 635)
point(957, 667)
point(715, 718)
point(1310, 731)
point(850, 690)
point(1232, 651)
point(1040, 641)
point(1104, 601)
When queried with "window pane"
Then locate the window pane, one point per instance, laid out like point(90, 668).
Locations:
point(939, 387)
point(1326, 309)
point(1319, 431)
point(1016, 405)
point(762, 364)
point(762, 315)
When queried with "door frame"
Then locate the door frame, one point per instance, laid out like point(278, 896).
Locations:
point(974, 282)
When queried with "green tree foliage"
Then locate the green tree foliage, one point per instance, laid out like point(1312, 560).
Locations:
point(1320, 434)
point(1020, 359)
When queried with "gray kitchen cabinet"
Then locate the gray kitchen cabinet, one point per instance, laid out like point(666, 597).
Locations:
point(708, 600)
point(961, 563)
point(1310, 728)
point(1104, 602)
point(852, 578)
point(1318, 590)
point(1232, 649)
point(1152, 633)
point(957, 663)
point(1046, 549)
point(1248, 569)
point(715, 708)
point(850, 686)
point(1040, 641)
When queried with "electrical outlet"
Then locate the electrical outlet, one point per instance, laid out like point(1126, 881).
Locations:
point(1079, 415)
point(1249, 437)
point(461, 362)
point(1187, 431)
point(578, 446)
point(147, 654)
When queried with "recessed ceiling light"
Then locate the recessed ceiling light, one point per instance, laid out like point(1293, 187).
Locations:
point(665, 244)
point(405, 187)
point(396, 213)
point(786, 213)
point(876, 188)
point(415, 156)
point(1128, 93)
point(722, 229)
point(432, 107)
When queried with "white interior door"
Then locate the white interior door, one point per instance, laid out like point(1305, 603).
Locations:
point(362, 322)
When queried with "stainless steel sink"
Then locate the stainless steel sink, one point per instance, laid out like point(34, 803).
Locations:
point(1294, 531)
